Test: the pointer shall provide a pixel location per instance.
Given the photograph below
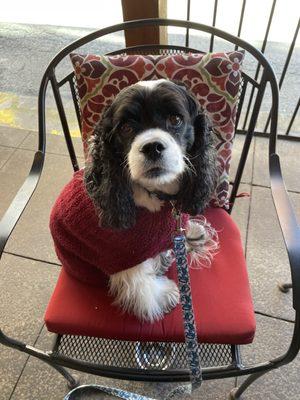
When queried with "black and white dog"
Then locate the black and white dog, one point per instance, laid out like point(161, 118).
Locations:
point(153, 143)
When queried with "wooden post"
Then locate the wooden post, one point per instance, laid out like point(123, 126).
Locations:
point(140, 9)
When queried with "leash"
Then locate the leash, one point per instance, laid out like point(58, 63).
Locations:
point(91, 389)
point(190, 330)
point(186, 301)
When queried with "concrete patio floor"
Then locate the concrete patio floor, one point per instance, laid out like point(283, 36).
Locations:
point(29, 269)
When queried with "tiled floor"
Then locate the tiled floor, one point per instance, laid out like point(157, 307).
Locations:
point(29, 270)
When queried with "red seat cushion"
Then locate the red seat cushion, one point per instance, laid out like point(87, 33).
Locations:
point(221, 297)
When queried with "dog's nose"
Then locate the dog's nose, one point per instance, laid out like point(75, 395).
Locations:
point(153, 150)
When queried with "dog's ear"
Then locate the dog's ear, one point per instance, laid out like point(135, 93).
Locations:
point(193, 103)
point(106, 179)
point(199, 180)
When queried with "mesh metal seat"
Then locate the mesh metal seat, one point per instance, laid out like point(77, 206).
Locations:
point(136, 355)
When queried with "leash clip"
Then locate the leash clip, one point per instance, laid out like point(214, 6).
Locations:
point(177, 216)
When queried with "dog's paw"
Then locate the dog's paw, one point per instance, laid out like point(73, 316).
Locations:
point(140, 291)
point(201, 241)
point(165, 298)
point(163, 262)
point(170, 295)
point(196, 235)
point(160, 300)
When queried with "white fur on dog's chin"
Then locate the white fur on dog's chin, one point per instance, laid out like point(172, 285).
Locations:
point(141, 292)
point(172, 159)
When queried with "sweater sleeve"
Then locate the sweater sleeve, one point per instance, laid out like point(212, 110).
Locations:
point(68, 217)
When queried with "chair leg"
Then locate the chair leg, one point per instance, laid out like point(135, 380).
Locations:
point(72, 381)
point(236, 393)
point(285, 287)
point(39, 354)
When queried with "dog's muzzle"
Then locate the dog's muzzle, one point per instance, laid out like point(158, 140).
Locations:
point(155, 157)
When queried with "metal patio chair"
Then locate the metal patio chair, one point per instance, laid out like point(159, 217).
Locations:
point(92, 355)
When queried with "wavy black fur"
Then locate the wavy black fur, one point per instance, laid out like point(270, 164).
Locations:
point(107, 181)
point(199, 182)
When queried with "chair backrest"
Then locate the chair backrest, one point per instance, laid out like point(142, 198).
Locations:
point(251, 92)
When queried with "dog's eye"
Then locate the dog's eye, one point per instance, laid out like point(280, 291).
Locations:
point(175, 120)
point(126, 129)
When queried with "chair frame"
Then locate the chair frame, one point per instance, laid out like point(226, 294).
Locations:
point(288, 223)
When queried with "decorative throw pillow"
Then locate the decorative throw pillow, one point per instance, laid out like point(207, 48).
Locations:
point(213, 77)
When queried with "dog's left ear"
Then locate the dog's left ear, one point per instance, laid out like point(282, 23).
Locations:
point(106, 181)
point(192, 102)
point(199, 180)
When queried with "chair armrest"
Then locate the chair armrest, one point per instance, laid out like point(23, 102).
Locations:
point(21, 199)
point(288, 224)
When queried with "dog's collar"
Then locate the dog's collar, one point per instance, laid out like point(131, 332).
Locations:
point(161, 196)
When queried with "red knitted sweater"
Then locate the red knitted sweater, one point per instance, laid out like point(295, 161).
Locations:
point(91, 253)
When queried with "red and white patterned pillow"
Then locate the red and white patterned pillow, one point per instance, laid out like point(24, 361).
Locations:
point(213, 77)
